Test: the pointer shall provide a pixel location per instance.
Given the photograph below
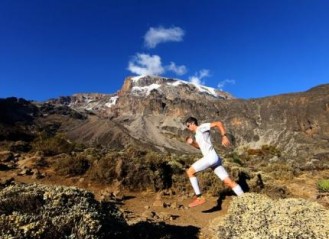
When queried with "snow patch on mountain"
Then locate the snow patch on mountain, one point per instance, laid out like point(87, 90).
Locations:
point(201, 88)
point(136, 78)
point(206, 89)
point(176, 83)
point(170, 82)
point(145, 90)
point(112, 101)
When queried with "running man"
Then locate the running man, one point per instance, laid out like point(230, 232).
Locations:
point(210, 158)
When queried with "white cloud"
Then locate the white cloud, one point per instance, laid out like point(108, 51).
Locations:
point(154, 36)
point(144, 64)
point(197, 78)
point(225, 82)
point(179, 70)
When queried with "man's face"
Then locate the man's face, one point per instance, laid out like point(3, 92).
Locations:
point(190, 126)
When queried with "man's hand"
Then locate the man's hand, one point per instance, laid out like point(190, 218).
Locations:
point(225, 141)
point(192, 142)
point(189, 140)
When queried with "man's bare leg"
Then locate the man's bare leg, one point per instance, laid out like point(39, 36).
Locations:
point(195, 185)
point(234, 186)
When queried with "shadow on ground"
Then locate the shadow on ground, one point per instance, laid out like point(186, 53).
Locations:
point(242, 181)
point(220, 200)
point(148, 230)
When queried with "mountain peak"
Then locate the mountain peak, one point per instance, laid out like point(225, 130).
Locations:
point(142, 88)
point(172, 88)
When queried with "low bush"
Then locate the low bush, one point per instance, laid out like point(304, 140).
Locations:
point(72, 165)
point(236, 158)
point(107, 169)
point(52, 145)
point(323, 185)
point(135, 170)
point(265, 150)
point(280, 170)
point(36, 211)
point(258, 216)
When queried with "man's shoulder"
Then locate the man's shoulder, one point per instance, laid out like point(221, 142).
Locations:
point(204, 127)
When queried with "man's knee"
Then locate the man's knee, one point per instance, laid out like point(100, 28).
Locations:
point(190, 172)
point(229, 182)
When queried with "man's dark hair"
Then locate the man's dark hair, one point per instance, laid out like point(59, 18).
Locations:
point(192, 120)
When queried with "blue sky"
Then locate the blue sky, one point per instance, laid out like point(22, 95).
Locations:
point(250, 48)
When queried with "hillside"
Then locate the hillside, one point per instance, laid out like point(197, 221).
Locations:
point(149, 111)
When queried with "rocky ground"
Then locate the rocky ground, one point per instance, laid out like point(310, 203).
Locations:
point(163, 214)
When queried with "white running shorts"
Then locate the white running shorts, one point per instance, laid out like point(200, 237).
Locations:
point(211, 160)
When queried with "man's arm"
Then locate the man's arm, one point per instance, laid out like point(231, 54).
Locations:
point(220, 126)
point(192, 142)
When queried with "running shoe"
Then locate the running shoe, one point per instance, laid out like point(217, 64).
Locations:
point(197, 201)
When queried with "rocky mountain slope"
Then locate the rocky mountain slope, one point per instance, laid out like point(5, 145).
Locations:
point(151, 111)
point(148, 110)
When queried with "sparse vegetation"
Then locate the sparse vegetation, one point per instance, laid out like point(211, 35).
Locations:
point(50, 144)
point(136, 170)
point(280, 170)
point(257, 216)
point(36, 211)
point(236, 158)
point(265, 150)
point(323, 185)
point(72, 165)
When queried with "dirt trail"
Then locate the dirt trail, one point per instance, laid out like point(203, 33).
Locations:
point(141, 207)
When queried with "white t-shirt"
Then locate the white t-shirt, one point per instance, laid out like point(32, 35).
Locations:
point(202, 137)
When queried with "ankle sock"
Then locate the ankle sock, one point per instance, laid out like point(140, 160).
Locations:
point(195, 185)
point(238, 190)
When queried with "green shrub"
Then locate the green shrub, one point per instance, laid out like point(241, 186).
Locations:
point(236, 158)
point(137, 170)
point(106, 169)
point(72, 165)
point(52, 145)
point(323, 185)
